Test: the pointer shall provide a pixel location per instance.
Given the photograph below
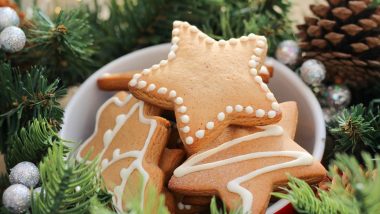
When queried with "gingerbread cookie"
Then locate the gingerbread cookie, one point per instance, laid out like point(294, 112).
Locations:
point(171, 159)
point(209, 84)
point(174, 203)
point(244, 165)
point(129, 141)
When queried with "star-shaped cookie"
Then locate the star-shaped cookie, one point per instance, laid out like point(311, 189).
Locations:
point(244, 165)
point(209, 84)
point(129, 142)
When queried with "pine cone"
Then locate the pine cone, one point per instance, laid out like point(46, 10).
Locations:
point(8, 3)
point(345, 36)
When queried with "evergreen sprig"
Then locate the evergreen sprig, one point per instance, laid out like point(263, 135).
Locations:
point(25, 97)
point(64, 45)
point(357, 192)
point(31, 143)
point(356, 129)
point(67, 186)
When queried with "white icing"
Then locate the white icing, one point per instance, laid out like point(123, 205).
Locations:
point(200, 133)
point(202, 35)
point(258, 79)
point(253, 71)
point(233, 41)
point(133, 82)
point(249, 110)
point(229, 109)
point(116, 153)
point(189, 140)
point(252, 63)
point(261, 43)
point(172, 93)
point(264, 87)
point(210, 125)
point(238, 108)
point(260, 113)
point(171, 55)
point(185, 129)
point(146, 71)
point(222, 42)
point(176, 23)
point(77, 188)
point(270, 96)
point(244, 38)
point(193, 29)
point(141, 84)
point(221, 116)
point(264, 70)
point(182, 109)
point(271, 114)
point(136, 76)
point(175, 39)
point(162, 90)
point(175, 32)
point(163, 62)
point(174, 48)
point(185, 118)
point(179, 100)
point(275, 106)
point(187, 206)
point(209, 41)
point(193, 163)
point(258, 51)
point(180, 205)
point(151, 87)
point(155, 67)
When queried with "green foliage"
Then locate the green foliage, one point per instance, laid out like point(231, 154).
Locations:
point(356, 129)
point(358, 191)
point(67, 186)
point(134, 24)
point(64, 45)
point(31, 143)
point(25, 97)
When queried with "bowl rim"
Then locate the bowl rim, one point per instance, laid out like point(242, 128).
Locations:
point(320, 130)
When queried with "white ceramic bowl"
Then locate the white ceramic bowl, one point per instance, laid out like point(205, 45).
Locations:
point(79, 119)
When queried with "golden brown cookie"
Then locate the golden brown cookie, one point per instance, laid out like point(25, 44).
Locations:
point(209, 84)
point(171, 159)
point(244, 165)
point(129, 142)
point(115, 82)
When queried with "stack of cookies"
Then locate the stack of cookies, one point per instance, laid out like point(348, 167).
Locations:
point(202, 123)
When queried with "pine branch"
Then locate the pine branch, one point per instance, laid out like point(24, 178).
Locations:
point(358, 192)
point(64, 45)
point(31, 143)
point(67, 186)
point(25, 97)
point(356, 129)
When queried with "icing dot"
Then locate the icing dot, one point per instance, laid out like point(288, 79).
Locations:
point(186, 24)
point(136, 76)
point(115, 153)
point(260, 113)
point(107, 137)
point(133, 82)
point(151, 87)
point(252, 63)
point(264, 86)
point(185, 118)
point(210, 125)
point(141, 84)
point(233, 41)
point(244, 38)
point(172, 93)
point(171, 55)
point(146, 71)
point(175, 39)
point(253, 71)
point(202, 35)
point(258, 51)
point(189, 140)
point(179, 100)
point(270, 96)
point(222, 42)
point(104, 163)
point(164, 62)
point(238, 108)
point(187, 206)
point(155, 67)
point(174, 48)
point(263, 38)
point(258, 79)
point(200, 133)
point(185, 129)
point(251, 36)
point(209, 41)
point(229, 109)
point(275, 106)
point(193, 29)
point(182, 109)
point(260, 43)
point(162, 90)
point(221, 116)
point(249, 109)
point(271, 114)
point(264, 70)
point(175, 31)
point(176, 23)
point(254, 57)
point(180, 205)
point(124, 173)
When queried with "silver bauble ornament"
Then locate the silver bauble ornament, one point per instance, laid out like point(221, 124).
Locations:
point(328, 114)
point(313, 72)
point(16, 198)
point(8, 17)
point(288, 52)
point(338, 96)
point(12, 39)
point(25, 173)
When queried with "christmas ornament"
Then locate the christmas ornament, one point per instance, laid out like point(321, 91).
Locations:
point(25, 173)
point(344, 35)
point(16, 198)
point(11, 4)
point(338, 96)
point(313, 72)
point(12, 39)
point(287, 52)
point(328, 114)
point(8, 17)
